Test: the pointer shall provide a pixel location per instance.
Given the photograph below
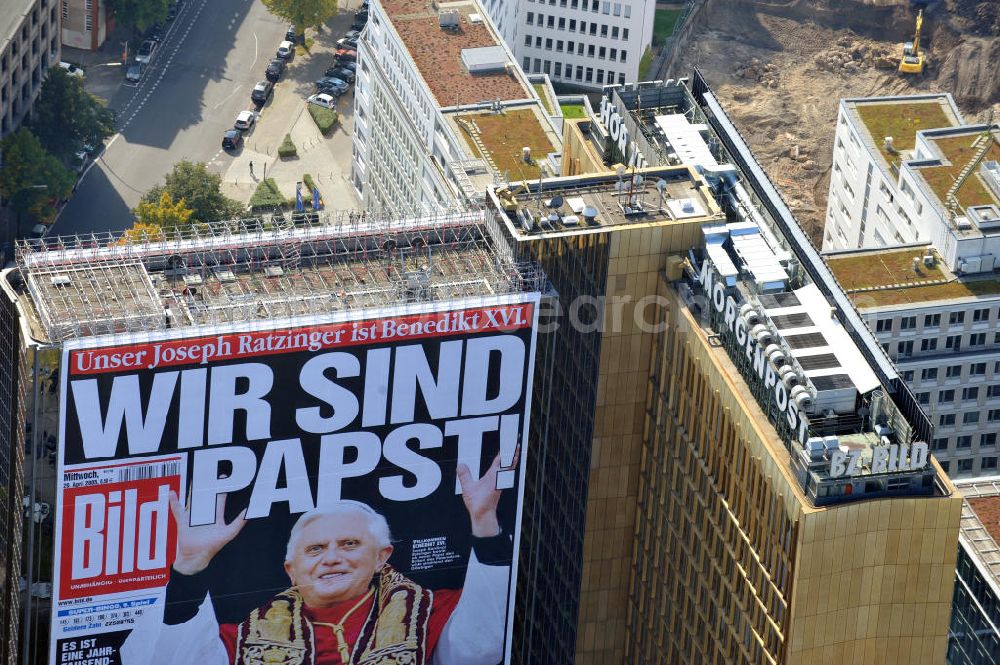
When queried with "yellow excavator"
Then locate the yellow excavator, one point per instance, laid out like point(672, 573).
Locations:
point(912, 61)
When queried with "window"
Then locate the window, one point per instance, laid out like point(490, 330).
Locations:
point(993, 391)
point(945, 466)
point(883, 325)
point(527, 41)
point(531, 18)
point(613, 54)
point(905, 348)
point(624, 56)
point(955, 318)
point(590, 75)
point(583, 26)
point(970, 418)
point(579, 73)
point(908, 323)
point(621, 75)
point(590, 51)
point(946, 420)
point(981, 315)
point(929, 374)
point(593, 29)
point(579, 48)
point(547, 67)
point(953, 342)
point(993, 416)
point(65, 10)
point(602, 53)
point(614, 32)
point(964, 465)
point(624, 36)
point(953, 371)
point(946, 396)
point(977, 339)
point(628, 11)
point(987, 440)
point(928, 344)
point(925, 398)
point(600, 76)
point(572, 25)
point(548, 44)
point(558, 69)
point(940, 443)
point(617, 9)
point(562, 24)
point(988, 463)
point(604, 30)
point(569, 48)
point(538, 42)
point(932, 320)
point(538, 65)
point(559, 45)
point(526, 62)
point(977, 369)
point(605, 7)
point(595, 5)
point(964, 441)
point(908, 376)
point(969, 394)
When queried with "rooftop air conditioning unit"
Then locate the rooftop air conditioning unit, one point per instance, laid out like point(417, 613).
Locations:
point(929, 260)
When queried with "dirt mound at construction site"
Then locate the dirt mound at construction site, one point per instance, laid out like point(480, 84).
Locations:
point(782, 66)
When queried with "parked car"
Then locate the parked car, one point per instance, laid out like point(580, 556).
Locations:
point(275, 69)
point(135, 72)
point(72, 69)
point(341, 73)
point(172, 11)
point(292, 34)
point(323, 99)
point(353, 34)
point(348, 65)
point(145, 51)
point(232, 139)
point(346, 54)
point(261, 92)
point(38, 231)
point(359, 23)
point(332, 85)
point(245, 120)
point(286, 50)
point(346, 43)
point(155, 32)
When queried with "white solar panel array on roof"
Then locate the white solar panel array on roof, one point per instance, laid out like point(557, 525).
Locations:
point(686, 139)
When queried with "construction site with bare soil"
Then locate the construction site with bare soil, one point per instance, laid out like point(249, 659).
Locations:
point(782, 66)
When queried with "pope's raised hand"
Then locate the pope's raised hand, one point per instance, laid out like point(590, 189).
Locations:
point(197, 545)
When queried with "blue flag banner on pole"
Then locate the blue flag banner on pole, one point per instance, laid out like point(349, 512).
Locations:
point(317, 202)
point(299, 206)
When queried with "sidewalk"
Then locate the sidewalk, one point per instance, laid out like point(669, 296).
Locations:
point(103, 67)
point(326, 159)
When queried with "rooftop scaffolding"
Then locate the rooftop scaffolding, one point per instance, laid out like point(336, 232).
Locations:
point(256, 269)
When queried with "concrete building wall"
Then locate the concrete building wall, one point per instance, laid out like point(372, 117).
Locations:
point(584, 43)
point(30, 45)
point(84, 24)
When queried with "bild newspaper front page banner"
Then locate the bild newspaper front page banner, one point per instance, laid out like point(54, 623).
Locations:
point(393, 442)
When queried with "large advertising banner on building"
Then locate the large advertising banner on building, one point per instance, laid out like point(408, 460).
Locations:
point(343, 492)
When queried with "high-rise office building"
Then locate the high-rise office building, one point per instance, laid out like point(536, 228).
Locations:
point(442, 109)
point(720, 464)
point(911, 236)
point(29, 45)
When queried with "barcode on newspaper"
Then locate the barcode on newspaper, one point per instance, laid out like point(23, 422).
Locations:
point(147, 471)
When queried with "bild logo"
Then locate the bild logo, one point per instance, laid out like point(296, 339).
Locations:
point(117, 537)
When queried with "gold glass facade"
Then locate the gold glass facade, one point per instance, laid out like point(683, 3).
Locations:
point(733, 565)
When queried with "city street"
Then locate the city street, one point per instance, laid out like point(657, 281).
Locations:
point(198, 80)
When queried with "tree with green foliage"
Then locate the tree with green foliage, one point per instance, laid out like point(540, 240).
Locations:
point(67, 117)
point(303, 13)
point(32, 180)
point(139, 14)
point(165, 213)
point(201, 191)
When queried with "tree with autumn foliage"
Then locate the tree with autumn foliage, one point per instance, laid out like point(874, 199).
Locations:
point(165, 214)
point(140, 233)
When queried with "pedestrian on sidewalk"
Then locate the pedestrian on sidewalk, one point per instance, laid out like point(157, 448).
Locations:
point(251, 169)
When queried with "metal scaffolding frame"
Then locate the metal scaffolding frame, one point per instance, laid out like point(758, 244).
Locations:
point(263, 268)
